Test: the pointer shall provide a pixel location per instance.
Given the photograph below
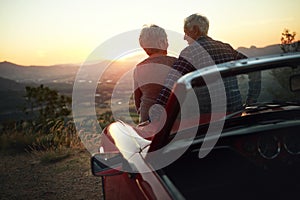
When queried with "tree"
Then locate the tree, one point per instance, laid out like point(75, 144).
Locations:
point(288, 43)
point(282, 75)
point(44, 105)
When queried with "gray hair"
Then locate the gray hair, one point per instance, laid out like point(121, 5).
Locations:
point(153, 37)
point(197, 20)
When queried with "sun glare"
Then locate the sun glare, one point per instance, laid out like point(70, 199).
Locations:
point(133, 57)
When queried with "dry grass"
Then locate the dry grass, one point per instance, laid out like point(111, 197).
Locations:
point(28, 176)
point(47, 161)
point(60, 135)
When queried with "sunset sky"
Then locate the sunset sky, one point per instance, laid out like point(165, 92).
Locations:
point(48, 32)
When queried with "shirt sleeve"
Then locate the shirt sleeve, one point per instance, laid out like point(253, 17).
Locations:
point(254, 87)
point(137, 93)
point(179, 68)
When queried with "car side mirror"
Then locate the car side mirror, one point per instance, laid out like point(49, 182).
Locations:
point(295, 83)
point(103, 164)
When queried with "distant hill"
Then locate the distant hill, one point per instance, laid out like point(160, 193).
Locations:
point(254, 51)
point(7, 84)
point(37, 74)
point(12, 97)
point(66, 73)
point(14, 78)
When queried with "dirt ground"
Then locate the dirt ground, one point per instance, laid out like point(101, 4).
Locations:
point(24, 176)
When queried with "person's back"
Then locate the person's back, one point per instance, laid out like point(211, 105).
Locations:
point(149, 75)
point(218, 52)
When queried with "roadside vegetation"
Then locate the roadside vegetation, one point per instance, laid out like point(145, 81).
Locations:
point(48, 130)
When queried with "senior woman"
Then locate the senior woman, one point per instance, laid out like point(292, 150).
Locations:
point(150, 74)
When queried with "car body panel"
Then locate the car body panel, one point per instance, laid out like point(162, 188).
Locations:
point(256, 153)
point(146, 185)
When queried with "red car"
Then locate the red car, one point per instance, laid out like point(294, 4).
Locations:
point(253, 153)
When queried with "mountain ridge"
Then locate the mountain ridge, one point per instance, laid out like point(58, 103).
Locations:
point(254, 51)
point(20, 73)
point(66, 73)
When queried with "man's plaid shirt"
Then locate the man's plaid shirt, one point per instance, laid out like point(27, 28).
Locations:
point(208, 52)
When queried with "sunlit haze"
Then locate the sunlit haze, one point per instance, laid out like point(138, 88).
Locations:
point(48, 32)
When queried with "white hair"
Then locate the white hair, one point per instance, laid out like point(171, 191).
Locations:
point(153, 37)
point(197, 20)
